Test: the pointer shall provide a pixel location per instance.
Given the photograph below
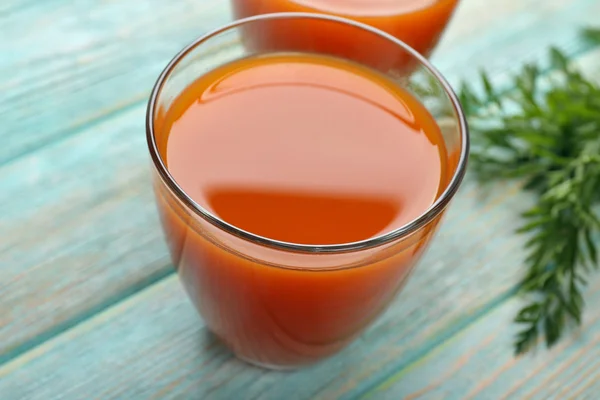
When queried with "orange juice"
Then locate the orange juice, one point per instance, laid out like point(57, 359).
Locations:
point(302, 149)
point(418, 23)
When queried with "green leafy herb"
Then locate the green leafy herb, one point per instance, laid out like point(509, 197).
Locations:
point(546, 132)
point(591, 35)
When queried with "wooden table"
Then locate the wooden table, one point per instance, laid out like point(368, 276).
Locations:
point(89, 303)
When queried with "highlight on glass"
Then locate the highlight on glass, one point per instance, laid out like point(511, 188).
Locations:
point(299, 182)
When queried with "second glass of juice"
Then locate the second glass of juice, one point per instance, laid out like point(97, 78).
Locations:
point(418, 23)
point(297, 189)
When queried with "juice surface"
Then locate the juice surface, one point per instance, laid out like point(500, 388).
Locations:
point(304, 149)
point(419, 23)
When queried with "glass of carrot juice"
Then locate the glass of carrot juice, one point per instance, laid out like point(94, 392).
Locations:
point(418, 23)
point(297, 187)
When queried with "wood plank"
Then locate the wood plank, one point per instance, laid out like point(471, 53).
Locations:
point(520, 32)
point(95, 264)
point(175, 318)
point(77, 225)
point(97, 58)
point(68, 64)
point(478, 363)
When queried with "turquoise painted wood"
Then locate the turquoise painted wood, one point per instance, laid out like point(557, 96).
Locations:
point(98, 171)
point(89, 307)
point(89, 59)
point(476, 364)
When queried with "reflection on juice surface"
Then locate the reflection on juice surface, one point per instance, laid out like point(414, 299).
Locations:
point(418, 23)
point(303, 149)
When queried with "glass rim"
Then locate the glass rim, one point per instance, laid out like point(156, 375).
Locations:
point(403, 231)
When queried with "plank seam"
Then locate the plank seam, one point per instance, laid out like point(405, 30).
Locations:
point(122, 296)
point(396, 369)
point(73, 131)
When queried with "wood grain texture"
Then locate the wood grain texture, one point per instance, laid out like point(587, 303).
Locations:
point(79, 229)
point(80, 233)
point(77, 225)
point(499, 36)
point(478, 363)
point(66, 64)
